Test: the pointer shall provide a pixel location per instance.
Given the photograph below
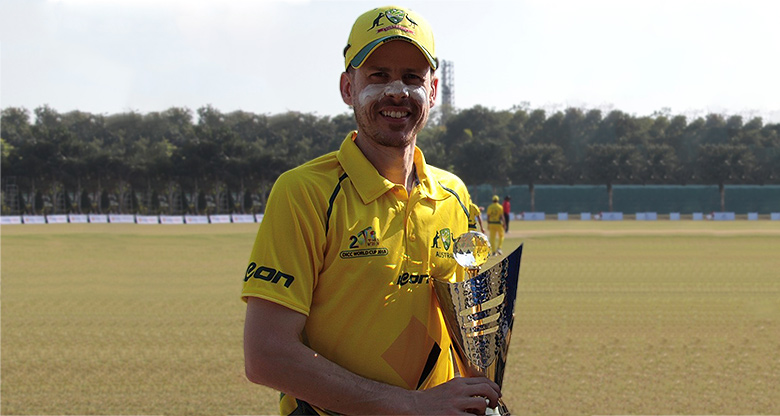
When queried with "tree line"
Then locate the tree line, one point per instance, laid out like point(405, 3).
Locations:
point(178, 161)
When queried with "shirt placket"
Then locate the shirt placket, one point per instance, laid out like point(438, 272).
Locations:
point(416, 246)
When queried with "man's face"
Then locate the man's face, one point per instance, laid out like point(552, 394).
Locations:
point(391, 93)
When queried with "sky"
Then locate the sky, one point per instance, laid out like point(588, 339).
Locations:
point(686, 57)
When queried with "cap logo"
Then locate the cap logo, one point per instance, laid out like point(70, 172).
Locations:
point(395, 16)
point(401, 28)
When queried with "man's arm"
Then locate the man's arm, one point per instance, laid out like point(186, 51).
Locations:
point(275, 356)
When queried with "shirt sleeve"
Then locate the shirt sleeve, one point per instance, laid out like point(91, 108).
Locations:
point(289, 248)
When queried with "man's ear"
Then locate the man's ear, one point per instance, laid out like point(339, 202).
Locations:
point(434, 90)
point(345, 85)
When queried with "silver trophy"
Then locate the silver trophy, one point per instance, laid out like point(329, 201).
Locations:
point(479, 311)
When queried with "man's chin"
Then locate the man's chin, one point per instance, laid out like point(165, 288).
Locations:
point(402, 135)
point(397, 141)
point(397, 135)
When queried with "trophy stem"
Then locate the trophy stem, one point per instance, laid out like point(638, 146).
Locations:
point(472, 272)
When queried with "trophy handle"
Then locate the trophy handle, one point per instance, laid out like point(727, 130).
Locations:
point(502, 409)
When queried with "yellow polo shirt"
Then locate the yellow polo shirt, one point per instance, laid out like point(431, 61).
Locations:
point(355, 253)
point(495, 212)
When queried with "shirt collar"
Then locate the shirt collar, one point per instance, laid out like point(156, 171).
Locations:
point(370, 185)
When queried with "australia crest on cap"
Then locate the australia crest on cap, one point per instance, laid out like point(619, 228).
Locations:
point(396, 17)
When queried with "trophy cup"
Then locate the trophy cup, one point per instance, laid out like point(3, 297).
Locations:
point(479, 311)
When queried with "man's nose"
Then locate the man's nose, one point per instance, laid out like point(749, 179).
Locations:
point(397, 89)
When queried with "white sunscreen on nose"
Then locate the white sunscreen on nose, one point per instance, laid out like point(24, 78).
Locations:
point(375, 92)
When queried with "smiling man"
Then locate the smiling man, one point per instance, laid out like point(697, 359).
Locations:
point(341, 317)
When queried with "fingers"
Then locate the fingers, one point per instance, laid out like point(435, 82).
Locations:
point(487, 388)
point(476, 406)
point(477, 389)
point(480, 380)
point(461, 395)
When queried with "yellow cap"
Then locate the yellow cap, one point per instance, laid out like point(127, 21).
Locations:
point(495, 198)
point(383, 24)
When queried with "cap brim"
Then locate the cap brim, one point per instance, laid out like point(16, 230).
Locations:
point(361, 56)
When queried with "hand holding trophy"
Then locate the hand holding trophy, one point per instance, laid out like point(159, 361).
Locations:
point(479, 311)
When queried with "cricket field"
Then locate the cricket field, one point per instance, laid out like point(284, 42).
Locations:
point(629, 317)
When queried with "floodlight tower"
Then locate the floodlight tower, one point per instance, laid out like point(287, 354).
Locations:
point(447, 88)
point(448, 83)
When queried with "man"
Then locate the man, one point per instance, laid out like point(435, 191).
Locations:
point(340, 314)
point(496, 226)
point(475, 216)
point(507, 210)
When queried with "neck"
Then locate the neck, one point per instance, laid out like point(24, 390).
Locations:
point(396, 164)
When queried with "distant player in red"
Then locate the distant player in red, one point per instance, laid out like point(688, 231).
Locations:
point(507, 210)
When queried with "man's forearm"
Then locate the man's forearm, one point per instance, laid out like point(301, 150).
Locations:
point(299, 371)
point(275, 357)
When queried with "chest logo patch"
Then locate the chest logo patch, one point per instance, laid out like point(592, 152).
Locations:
point(442, 242)
point(363, 244)
point(443, 237)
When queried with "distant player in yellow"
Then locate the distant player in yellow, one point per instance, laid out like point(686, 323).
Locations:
point(475, 216)
point(496, 225)
point(341, 317)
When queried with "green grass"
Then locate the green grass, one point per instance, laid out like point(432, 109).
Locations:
point(612, 318)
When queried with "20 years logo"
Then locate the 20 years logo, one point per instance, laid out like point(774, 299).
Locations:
point(363, 244)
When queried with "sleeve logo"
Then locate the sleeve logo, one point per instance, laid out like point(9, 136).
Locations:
point(267, 274)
